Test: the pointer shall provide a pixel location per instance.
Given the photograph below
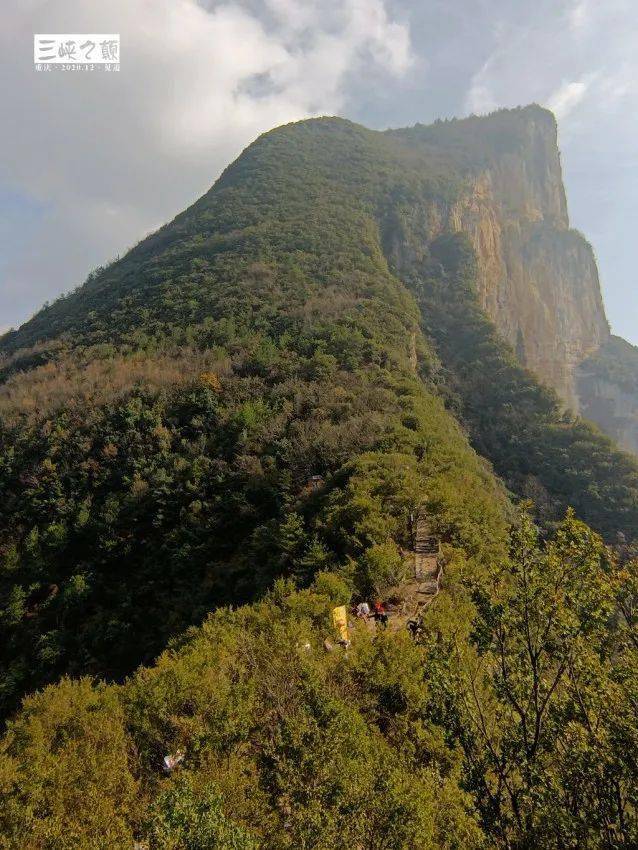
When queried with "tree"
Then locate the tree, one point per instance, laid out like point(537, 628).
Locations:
point(64, 776)
point(535, 700)
point(183, 818)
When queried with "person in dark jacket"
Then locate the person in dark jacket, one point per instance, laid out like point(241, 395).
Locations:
point(380, 614)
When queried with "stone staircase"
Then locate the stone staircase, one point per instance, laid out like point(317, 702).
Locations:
point(423, 587)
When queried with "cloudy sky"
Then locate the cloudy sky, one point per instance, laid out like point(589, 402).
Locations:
point(91, 162)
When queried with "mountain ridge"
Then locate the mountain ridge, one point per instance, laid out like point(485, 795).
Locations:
point(280, 284)
point(537, 278)
point(227, 434)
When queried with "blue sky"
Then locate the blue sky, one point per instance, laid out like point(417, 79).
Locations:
point(91, 162)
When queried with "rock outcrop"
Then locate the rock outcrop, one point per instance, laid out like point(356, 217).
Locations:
point(537, 278)
point(538, 282)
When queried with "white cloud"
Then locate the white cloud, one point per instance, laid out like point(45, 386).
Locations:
point(111, 156)
point(567, 97)
point(579, 15)
point(480, 97)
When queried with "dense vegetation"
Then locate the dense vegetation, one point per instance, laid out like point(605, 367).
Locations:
point(542, 453)
point(125, 526)
point(510, 722)
point(252, 398)
point(133, 505)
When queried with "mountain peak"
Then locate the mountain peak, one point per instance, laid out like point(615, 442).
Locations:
point(329, 380)
point(495, 177)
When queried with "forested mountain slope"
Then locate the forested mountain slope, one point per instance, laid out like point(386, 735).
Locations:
point(137, 499)
point(607, 386)
point(137, 495)
point(267, 388)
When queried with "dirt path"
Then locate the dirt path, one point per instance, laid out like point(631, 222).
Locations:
point(408, 600)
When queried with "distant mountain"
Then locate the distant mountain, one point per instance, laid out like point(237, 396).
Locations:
point(607, 389)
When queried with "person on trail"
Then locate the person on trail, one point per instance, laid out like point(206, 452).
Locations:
point(363, 610)
point(380, 614)
point(414, 627)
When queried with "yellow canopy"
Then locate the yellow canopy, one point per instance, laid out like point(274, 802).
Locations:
point(340, 620)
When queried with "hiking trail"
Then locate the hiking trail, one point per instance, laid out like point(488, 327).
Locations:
point(408, 600)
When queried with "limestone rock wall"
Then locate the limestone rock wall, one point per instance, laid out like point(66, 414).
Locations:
point(538, 282)
point(537, 278)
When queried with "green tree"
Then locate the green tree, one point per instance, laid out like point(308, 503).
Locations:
point(535, 700)
point(183, 818)
point(65, 782)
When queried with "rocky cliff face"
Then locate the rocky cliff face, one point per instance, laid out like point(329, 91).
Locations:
point(537, 279)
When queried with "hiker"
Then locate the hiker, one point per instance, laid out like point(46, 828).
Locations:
point(414, 627)
point(362, 610)
point(380, 614)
